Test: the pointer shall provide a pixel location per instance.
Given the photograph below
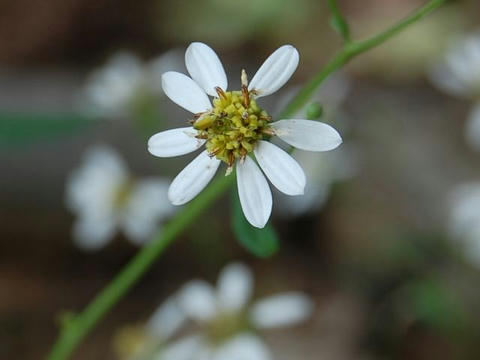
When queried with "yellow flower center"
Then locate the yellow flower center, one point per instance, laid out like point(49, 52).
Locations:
point(234, 125)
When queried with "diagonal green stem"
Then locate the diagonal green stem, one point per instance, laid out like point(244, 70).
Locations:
point(78, 326)
point(338, 20)
point(353, 49)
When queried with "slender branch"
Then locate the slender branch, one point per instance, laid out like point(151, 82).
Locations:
point(353, 49)
point(338, 21)
point(78, 326)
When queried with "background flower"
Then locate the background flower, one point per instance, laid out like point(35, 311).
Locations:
point(465, 220)
point(458, 74)
point(104, 197)
point(230, 323)
point(124, 80)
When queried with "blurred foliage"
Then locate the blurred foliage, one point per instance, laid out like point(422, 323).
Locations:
point(18, 129)
point(232, 22)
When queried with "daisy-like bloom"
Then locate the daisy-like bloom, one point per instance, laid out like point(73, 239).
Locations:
point(465, 220)
point(234, 129)
point(104, 197)
point(114, 88)
point(154, 337)
point(458, 74)
point(229, 324)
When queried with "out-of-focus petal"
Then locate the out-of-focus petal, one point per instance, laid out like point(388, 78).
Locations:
point(184, 349)
point(166, 320)
point(275, 71)
point(281, 310)
point(243, 347)
point(91, 188)
point(205, 67)
point(472, 129)
point(147, 206)
point(185, 92)
point(254, 192)
point(234, 288)
point(197, 299)
point(91, 234)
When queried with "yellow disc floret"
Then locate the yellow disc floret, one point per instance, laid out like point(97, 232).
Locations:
point(233, 126)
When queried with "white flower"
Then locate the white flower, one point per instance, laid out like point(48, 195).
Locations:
point(464, 222)
point(230, 323)
point(113, 88)
point(104, 197)
point(234, 128)
point(458, 74)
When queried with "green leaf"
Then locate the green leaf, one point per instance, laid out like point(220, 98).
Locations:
point(260, 242)
point(25, 128)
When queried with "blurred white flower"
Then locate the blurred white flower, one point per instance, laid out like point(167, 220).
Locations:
point(234, 128)
point(230, 323)
point(104, 197)
point(114, 88)
point(464, 222)
point(458, 74)
point(324, 169)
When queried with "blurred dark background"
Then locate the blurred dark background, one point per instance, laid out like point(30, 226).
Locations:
point(376, 255)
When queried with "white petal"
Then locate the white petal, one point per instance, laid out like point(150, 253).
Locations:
point(243, 347)
point(281, 169)
point(205, 67)
point(92, 187)
point(93, 233)
point(148, 204)
point(184, 349)
point(472, 130)
point(307, 134)
point(234, 288)
point(275, 71)
point(166, 320)
point(197, 300)
point(185, 92)
point(149, 198)
point(255, 195)
point(281, 310)
point(193, 179)
point(444, 78)
point(174, 142)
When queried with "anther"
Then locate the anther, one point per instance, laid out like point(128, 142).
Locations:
point(220, 92)
point(268, 131)
point(244, 78)
point(245, 93)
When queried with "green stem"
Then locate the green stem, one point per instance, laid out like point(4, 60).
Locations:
point(78, 326)
point(339, 22)
point(353, 49)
